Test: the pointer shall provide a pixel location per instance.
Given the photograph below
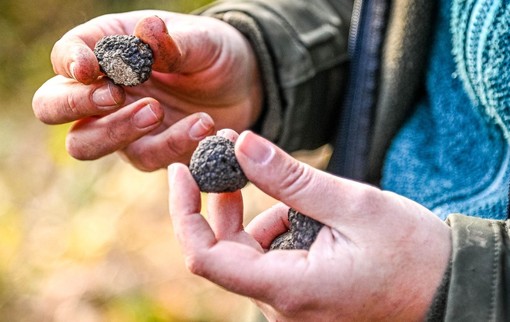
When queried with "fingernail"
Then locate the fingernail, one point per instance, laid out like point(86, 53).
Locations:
point(202, 127)
point(255, 148)
point(228, 134)
point(145, 117)
point(103, 97)
point(72, 66)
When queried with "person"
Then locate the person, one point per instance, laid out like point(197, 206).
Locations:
point(411, 94)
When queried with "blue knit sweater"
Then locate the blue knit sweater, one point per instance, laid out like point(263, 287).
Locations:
point(453, 153)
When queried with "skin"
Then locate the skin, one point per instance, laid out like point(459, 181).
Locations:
point(380, 257)
point(205, 77)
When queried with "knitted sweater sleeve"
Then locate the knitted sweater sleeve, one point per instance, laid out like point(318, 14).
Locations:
point(478, 287)
point(301, 46)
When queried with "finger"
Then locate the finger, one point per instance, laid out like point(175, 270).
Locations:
point(188, 44)
point(92, 138)
point(61, 100)
point(225, 210)
point(308, 190)
point(244, 270)
point(72, 56)
point(225, 214)
point(175, 144)
point(228, 134)
point(237, 267)
point(268, 225)
point(190, 228)
point(152, 31)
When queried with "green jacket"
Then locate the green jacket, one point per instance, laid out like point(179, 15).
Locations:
point(347, 73)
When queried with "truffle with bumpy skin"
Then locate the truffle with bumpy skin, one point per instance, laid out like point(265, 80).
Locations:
point(301, 235)
point(214, 166)
point(125, 59)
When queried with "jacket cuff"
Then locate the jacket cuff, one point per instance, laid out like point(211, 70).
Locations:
point(296, 42)
point(477, 284)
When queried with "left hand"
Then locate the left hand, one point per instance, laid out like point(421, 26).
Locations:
point(380, 256)
point(205, 77)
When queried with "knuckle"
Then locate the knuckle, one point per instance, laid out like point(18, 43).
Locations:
point(71, 108)
point(195, 265)
point(147, 164)
point(298, 177)
point(369, 200)
point(174, 148)
point(112, 135)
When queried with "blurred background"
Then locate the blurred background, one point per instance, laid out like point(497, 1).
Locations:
point(87, 241)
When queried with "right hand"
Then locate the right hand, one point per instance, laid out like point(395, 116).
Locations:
point(205, 76)
point(379, 257)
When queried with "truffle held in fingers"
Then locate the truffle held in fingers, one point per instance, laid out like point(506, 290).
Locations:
point(214, 166)
point(301, 235)
point(125, 59)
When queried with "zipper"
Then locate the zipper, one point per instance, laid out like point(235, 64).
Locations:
point(353, 32)
point(366, 35)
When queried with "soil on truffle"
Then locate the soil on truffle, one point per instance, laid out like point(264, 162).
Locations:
point(214, 166)
point(125, 59)
point(302, 232)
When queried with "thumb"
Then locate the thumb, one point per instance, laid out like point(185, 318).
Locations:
point(182, 43)
point(308, 190)
point(152, 31)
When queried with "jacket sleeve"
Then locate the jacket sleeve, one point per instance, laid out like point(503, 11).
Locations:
point(478, 286)
point(302, 50)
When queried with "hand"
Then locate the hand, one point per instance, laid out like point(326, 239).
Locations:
point(203, 68)
point(380, 256)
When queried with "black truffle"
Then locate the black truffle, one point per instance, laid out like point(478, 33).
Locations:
point(302, 232)
point(125, 59)
point(214, 166)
